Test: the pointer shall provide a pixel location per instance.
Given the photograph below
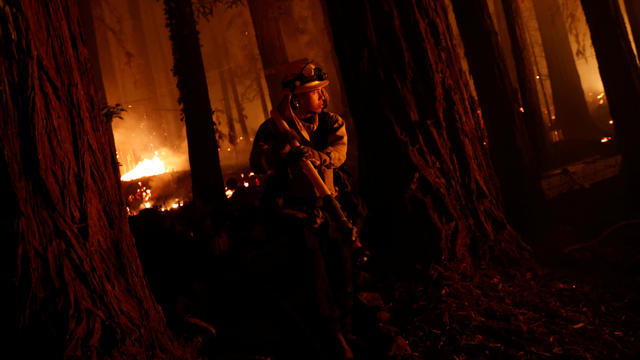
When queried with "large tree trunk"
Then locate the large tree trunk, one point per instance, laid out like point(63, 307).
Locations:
point(270, 43)
point(425, 169)
point(633, 14)
point(621, 79)
point(72, 276)
point(510, 148)
point(206, 175)
point(571, 111)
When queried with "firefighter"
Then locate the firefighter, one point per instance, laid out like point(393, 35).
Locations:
point(292, 200)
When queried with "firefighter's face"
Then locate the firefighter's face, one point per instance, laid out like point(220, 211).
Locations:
point(312, 102)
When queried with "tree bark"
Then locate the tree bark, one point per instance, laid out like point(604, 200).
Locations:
point(75, 283)
point(621, 79)
point(572, 113)
point(633, 14)
point(206, 175)
point(426, 176)
point(511, 152)
point(526, 74)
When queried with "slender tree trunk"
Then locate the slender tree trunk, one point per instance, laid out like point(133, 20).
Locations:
point(621, 78)
point(270, 43)
point(633, 13)
point(206, 175)
point(263, 98)
point(526, 74)
point(511, 151)
point(427, 179)
point(572, 113)
point(74, 282)
point(242, 118)
point(228, 111)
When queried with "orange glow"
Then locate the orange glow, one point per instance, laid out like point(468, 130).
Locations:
point(605, 139)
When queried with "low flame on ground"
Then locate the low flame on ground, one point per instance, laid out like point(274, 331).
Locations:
point(146, 167)
point(605, 139)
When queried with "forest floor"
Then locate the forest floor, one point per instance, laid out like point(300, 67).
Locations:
point(582, 302)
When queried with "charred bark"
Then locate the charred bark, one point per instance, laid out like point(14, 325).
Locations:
point(621, 79)
point(511, 152)
point(206, 175)
point(572, 113)
point(426, 175)
point(72, 274)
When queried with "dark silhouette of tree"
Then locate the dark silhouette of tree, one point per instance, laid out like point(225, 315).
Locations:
point(270, 43)
point(621, 79)
point(206, 175)
point(633, 14)
point(571, 111)
point(426, 175)
point(72, 277)
point(511, 152)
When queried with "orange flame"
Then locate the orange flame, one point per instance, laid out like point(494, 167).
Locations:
point(146, 167)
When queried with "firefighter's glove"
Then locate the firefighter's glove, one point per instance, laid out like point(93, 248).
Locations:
point(306, 153)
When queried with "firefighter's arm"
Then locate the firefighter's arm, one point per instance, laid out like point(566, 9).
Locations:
point(337, 148)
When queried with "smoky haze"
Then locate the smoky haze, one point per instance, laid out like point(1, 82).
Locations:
point(136, 61)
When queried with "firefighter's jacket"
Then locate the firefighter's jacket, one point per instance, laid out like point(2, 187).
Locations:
point(325, 133)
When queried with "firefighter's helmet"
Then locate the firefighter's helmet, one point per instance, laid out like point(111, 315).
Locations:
point(303, 76)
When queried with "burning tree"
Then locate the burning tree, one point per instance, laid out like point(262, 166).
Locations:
point(75, 283)
point(430, 185)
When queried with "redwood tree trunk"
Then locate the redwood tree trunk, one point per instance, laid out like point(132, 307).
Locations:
point(510, 148)
point(73, 278)
point(633, 13)
point(206, 175)
point(572, 113)
point(526, 73)
point(425, 169)
point(621, 79)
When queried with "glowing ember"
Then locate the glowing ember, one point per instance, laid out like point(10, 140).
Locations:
point(521, 109)
point(144, 168)
point(605, 139)
point(229, 193)
point(611, 122)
